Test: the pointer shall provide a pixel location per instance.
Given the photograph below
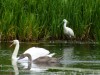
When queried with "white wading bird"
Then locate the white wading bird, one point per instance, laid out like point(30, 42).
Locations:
point(68, 31)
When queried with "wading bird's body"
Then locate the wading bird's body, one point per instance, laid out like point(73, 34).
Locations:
point(67, 31)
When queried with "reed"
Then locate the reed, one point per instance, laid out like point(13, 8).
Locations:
point(42, 19)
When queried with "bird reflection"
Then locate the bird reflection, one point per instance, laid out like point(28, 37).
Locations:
point(27, 67)
point(14, 64)
point(40, 64)
point(32, 67)
point(37, 67)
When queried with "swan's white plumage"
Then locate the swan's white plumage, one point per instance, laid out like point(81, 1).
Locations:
point(35, 52)
point(14, 55)
point(51, 55)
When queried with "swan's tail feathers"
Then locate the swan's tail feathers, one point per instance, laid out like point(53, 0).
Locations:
point(51, 55)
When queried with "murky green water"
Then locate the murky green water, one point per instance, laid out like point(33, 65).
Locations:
point(77, 59)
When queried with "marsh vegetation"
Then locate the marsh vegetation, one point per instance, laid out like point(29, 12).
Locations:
point(42, 19)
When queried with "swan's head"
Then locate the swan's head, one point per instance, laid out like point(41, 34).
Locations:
point(25, 55)
point(29, 58)
point(21, 56)
point(65, 21)
point(14, 42)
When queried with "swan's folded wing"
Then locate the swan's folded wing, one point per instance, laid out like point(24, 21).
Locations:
point(36, 52)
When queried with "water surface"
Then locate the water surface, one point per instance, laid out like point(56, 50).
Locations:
point(77, 59)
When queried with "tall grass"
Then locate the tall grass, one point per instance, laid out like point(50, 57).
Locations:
point(42, 19)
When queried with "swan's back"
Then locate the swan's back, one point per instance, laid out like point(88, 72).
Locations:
point(43, 59)
point(36, 52)
point(46, 59)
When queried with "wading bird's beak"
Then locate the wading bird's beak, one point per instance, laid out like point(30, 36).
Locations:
point(60, 24)
point(11, 44)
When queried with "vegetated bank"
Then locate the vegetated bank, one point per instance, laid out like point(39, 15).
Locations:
point(42, 19)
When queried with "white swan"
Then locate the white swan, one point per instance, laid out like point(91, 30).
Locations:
point(35, 52)
point(68, 31)
point(43, 61)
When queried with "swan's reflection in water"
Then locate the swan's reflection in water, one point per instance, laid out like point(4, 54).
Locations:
point(39, 67)
point(24, 67)
point(15, 67)
point(31, 68)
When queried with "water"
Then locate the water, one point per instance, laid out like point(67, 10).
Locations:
point(77, 59)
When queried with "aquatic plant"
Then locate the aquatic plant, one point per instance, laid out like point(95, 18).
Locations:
point(42, 19)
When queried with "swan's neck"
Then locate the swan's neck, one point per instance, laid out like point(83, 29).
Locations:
point(14, 55)
point(29, 57)
point(65, 24)
point(29, 62)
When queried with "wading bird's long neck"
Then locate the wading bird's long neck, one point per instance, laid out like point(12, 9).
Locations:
point(65, 23)
point(14, 55)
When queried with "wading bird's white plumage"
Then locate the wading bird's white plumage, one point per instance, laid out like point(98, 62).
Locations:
point(67, 31)
point(35, 52)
